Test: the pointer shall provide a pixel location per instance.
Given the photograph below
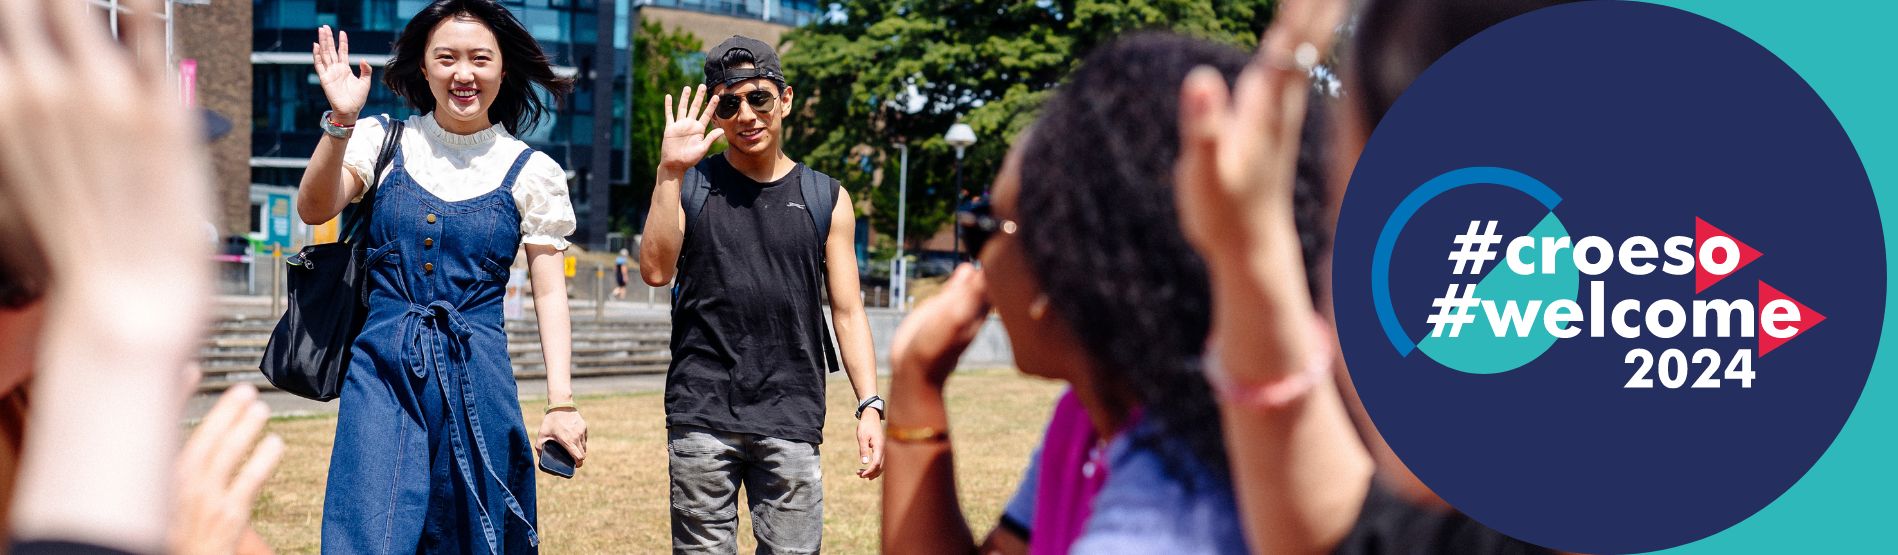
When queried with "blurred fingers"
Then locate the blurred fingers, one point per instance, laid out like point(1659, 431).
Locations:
point(217, 423)
point(145, 35)
point(228, 449)
point(256, 471)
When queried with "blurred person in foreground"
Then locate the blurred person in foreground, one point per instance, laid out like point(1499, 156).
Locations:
point(98, 332)
point(1082, 257)
point(1303, 473)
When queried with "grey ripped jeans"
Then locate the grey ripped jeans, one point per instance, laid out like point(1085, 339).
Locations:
point(784, 486)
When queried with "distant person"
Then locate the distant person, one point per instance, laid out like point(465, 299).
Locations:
point(744, 233)
point(432, 454)
point(619, 275)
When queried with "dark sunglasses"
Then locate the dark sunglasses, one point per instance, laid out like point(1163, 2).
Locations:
point(760, 101)
point(979, 224)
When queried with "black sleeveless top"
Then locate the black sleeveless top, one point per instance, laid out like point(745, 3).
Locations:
point(748, 335)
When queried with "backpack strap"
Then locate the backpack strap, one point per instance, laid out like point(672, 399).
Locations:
point(820, 196)
point(694, 189)
point(820, 199)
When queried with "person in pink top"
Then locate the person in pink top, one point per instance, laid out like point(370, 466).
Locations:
point(1082, 257)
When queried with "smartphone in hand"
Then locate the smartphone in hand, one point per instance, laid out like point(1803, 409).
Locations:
point(555, 460)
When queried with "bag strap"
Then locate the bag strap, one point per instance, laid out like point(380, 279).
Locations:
point(359, 218)
point(820, 194)
point(694, 189)
point(820, 199)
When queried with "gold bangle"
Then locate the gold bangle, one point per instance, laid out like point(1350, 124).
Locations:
point(919, 434)
point(551, 407)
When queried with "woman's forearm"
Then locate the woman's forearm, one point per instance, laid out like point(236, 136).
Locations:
point(1302, 473)
point(546, 267)
point(324, 190)
point(920, 511)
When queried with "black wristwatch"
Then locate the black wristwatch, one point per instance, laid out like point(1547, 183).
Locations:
point(873, 401)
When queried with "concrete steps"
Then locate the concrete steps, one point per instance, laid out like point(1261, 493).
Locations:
point(613, 346)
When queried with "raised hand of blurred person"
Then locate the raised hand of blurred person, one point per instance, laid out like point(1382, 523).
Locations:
point(1299, 471)
point(686, 140)
point(921, 513)
point(1235, 174)
point(933, 337)
point(221, 470)
point(346, 90)
point(109, 175)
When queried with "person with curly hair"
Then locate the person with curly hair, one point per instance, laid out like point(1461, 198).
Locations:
point(1082, 256)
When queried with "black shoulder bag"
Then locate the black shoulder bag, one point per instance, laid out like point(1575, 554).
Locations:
point(309, 351)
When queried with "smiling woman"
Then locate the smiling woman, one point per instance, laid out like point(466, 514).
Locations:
point(432, 454)
point(472, 59)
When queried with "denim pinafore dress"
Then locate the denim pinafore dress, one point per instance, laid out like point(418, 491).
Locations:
point(431, 453)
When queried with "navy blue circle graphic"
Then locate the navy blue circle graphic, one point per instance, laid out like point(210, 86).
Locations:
point(1643, 121)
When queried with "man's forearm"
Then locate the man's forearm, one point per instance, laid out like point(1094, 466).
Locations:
point(858, 353)
point(665, 230)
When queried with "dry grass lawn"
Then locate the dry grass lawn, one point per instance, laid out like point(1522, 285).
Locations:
point(618, 504)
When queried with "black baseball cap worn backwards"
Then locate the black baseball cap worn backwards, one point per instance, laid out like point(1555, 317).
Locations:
point(766, 65)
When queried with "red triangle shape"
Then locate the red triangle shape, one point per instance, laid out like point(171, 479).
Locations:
point(1807, 318)
point(1704, 231)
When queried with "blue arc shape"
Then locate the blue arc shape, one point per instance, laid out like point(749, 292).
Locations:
point(1387, 239)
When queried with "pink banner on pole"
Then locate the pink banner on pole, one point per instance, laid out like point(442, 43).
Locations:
point(188, 81)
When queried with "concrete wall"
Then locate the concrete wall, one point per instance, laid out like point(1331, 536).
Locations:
point(713, 28)
point(218, 36)
point(990, 349)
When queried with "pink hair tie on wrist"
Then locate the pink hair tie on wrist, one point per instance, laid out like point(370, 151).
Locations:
point(1270, 395)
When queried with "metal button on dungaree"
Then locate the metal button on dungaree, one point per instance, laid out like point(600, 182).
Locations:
point(431, 218)
point(428, 242)
point(428, 267)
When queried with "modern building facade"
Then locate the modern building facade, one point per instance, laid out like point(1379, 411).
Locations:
point(587, 40)
point(248, 61)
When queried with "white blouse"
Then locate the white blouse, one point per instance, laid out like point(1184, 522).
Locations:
point(460, 167)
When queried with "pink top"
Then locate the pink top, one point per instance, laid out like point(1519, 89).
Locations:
point(1072, 471)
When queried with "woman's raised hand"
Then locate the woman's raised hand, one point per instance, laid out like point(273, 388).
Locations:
point(346, 90)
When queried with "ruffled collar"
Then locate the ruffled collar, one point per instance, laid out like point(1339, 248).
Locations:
point(435, 131)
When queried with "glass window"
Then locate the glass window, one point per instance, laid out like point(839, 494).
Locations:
point(546, 24)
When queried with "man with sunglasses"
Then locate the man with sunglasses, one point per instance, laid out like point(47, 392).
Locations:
point(752, 236)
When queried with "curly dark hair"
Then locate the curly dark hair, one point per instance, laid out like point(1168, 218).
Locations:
point(517, 108)
point(1100, 230)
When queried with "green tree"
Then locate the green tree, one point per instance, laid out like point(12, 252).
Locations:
point(663, 60)
point(881, 72)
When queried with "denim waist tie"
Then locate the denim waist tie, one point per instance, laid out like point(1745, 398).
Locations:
point(438, 340)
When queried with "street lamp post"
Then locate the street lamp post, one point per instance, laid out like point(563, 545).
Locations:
point(960, 136)
point(901, 270)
